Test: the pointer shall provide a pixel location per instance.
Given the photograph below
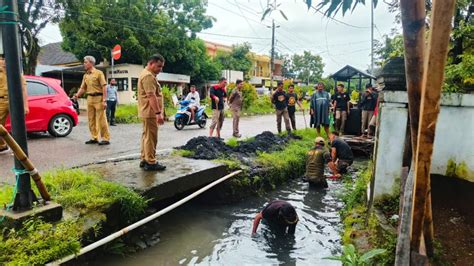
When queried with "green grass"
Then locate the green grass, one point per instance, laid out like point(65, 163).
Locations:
point(231, 163)
point(232, 142)
point(127, 114)
point(183, 153)
point(38, 242)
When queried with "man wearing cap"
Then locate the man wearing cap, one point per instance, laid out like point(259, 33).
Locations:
point(95, 86)
point(341, 155)
point(367, 104)
point(280, 215)
point(280, 101)
point(150, 110)
point(319, 108)
point(4, 108)
point(315, 160)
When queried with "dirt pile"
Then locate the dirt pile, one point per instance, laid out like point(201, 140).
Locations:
point(213, 148)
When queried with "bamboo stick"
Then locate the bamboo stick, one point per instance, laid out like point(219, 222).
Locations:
point(413, 22)
point(433, 76)
point(26, 162)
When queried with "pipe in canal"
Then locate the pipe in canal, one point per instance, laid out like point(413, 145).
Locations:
point(143, 221)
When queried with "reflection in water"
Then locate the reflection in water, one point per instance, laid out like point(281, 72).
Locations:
point(221, 235)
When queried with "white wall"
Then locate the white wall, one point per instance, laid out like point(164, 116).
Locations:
point(232, 75)
point(454, 139)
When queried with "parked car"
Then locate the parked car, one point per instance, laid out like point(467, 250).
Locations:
point(50, 108)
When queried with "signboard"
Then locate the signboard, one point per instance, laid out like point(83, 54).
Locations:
point(116, 52)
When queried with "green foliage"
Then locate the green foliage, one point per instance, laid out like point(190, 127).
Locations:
point(127, 114)
point(37, 242)
point(307, 67)
point(231, 163)
point(142, 28)
point(232, 142)
point(238, 59)
point(459, 77)
point(350, 257)
point(390, 48)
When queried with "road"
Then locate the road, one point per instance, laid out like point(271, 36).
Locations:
point(48, 152)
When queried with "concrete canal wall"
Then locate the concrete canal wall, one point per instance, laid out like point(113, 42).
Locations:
point(453, 152)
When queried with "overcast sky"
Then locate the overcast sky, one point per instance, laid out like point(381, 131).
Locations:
point(239, 21)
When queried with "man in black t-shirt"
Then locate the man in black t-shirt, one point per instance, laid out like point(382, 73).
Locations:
point(280, 215)
point(367, 104)
point(218, 94)
point(341, 155)
point(341, 102)
point(279, 100)
point(292, 101)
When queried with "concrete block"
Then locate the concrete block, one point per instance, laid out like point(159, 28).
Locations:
point(50, 212)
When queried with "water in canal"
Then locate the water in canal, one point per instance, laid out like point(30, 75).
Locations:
point(197, 234)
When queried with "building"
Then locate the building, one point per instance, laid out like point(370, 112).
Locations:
point(261, 69)
point(213, 48)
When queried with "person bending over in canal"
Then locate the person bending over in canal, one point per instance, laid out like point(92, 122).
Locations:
point(279, 215)
point(315, 161)
point(341, 155)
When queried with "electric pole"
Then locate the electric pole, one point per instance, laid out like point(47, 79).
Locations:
point(372, 37)
point(272, 60)
point(9, 29)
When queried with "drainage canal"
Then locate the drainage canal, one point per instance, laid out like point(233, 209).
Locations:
point(204, 234)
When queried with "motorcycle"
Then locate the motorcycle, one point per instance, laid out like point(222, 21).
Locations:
point(183, 116)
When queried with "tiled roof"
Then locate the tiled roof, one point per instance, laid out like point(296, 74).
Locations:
point(52, 54)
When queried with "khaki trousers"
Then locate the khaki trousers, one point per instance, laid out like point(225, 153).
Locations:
point(98, 125)
point(341, 117)
point(366, 116)
point(235, 121)
point(217, 119)
point(3, 118)
point(149, 140)
point(283, 113)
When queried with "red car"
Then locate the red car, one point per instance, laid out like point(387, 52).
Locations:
point(50, 108)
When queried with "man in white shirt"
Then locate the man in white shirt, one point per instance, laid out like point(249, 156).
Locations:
point(193, 96)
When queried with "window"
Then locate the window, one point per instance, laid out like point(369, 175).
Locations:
point(122, 84)
point(134, 84)
point(38, 89)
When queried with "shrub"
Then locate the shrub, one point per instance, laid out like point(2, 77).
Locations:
point(127, 114)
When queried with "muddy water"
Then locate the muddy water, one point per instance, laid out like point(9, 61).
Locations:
point(197, 234)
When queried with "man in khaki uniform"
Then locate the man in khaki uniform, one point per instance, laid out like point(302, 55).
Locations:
point(315, 161)
point(150, 110)
point(235, 101)
point(94, 84)
point(4, 110)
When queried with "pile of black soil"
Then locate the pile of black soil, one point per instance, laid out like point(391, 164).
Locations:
point(214, 148)
point(264, 142)
point(207, 148)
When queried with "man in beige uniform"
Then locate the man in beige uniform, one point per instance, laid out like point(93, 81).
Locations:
point(150, 110)
point(235, 101)
point(4, 110)
point(94, 84)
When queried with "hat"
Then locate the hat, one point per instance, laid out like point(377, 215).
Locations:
point(320, 140)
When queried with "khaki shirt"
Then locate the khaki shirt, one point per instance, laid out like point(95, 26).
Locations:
point(93, 81)
point(235, 99)
point(147, 83)
point(315, 165)
point(4, 84)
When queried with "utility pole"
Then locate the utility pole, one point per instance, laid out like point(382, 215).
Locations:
point(372, 37)
point(272, 60)
point(9, 28)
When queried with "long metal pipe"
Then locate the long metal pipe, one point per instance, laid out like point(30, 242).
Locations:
point(143, 221)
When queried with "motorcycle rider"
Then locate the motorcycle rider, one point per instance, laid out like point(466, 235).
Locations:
point(193, 98)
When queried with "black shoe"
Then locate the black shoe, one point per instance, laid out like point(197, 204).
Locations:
point(154, 167)
point(113, 124)
point(142, 163)
point(92, 141)
point(4, 149)
point(104, 142)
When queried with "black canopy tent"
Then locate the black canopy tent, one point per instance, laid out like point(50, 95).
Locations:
point(349, 72)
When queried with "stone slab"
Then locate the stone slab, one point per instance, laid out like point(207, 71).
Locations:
point(181, 175)
point(447, 99)
point(50, 212)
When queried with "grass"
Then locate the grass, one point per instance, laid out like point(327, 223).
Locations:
point(183, 153)
point(38, 242)
point(232, 142)
point(127, 114)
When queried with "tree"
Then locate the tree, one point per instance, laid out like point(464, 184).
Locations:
point(238, 59)
point(142, 28)
point(34, 16)
point(391, 47)
point(307, 67)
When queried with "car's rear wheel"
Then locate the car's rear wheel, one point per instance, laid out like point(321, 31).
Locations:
point(60, 125)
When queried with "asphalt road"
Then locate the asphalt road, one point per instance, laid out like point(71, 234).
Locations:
point(48, 152)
